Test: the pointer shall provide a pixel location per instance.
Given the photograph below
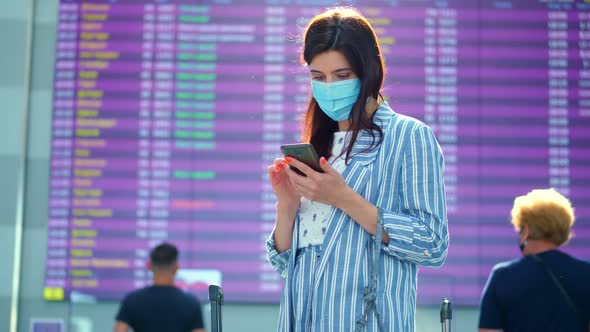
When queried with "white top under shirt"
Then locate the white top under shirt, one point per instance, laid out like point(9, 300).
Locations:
point(313, 216)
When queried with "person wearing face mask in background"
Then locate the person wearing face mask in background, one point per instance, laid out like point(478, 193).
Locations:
point(350, 240)
point(546, 289)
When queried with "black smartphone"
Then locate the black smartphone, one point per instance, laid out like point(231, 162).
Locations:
point(303, 152)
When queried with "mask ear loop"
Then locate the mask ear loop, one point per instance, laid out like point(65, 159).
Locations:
point(523, 245)
point(526, 239)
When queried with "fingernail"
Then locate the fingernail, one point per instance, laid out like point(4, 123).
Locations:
point(288, 159)
point(323, 160)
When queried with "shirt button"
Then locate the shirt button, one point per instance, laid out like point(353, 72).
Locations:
point(426, 253)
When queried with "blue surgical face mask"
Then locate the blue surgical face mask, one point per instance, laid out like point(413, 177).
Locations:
point(336, 98)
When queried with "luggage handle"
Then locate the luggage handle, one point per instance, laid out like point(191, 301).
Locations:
point(216, 299)
point(446, 314)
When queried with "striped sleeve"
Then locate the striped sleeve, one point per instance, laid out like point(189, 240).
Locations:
point(418, 232)
point(279, 261)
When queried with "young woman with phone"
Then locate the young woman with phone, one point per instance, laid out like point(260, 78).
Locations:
point(349, 240)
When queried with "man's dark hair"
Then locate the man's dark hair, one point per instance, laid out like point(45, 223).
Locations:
point(164, 255)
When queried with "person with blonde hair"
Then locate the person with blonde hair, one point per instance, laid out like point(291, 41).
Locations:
point(546, 289)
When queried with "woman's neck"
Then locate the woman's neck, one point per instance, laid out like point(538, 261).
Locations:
point(534, 247)
point(343, 125)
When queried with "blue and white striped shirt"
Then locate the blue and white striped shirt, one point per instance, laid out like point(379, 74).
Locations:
point(403, 176)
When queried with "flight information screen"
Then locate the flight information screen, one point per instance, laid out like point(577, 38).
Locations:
point(166, 115)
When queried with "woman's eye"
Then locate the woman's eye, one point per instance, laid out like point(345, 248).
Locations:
point(317, 78)
point(343, 76)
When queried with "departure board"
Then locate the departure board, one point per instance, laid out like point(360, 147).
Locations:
point(166, 115)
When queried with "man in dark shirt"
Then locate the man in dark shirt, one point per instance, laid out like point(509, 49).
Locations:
point(522, 295)
point(162, 306)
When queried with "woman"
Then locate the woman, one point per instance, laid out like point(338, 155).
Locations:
point(349, 240)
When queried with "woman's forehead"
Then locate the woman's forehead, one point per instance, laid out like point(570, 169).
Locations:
point(329, 61)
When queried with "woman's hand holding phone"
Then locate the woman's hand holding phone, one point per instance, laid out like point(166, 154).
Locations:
point(281, 184)
point(287, 203)
point(302, 173)
point(327, 187)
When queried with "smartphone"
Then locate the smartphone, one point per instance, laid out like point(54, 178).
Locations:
point(303, 152)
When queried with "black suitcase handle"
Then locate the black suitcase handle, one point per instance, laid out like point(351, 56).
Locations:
point(216, 299)
point(446, 314)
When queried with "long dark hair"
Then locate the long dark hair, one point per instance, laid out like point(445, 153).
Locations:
point(345, 30)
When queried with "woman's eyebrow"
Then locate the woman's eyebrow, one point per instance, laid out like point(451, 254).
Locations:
point(333, 72)
point(341, 70)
